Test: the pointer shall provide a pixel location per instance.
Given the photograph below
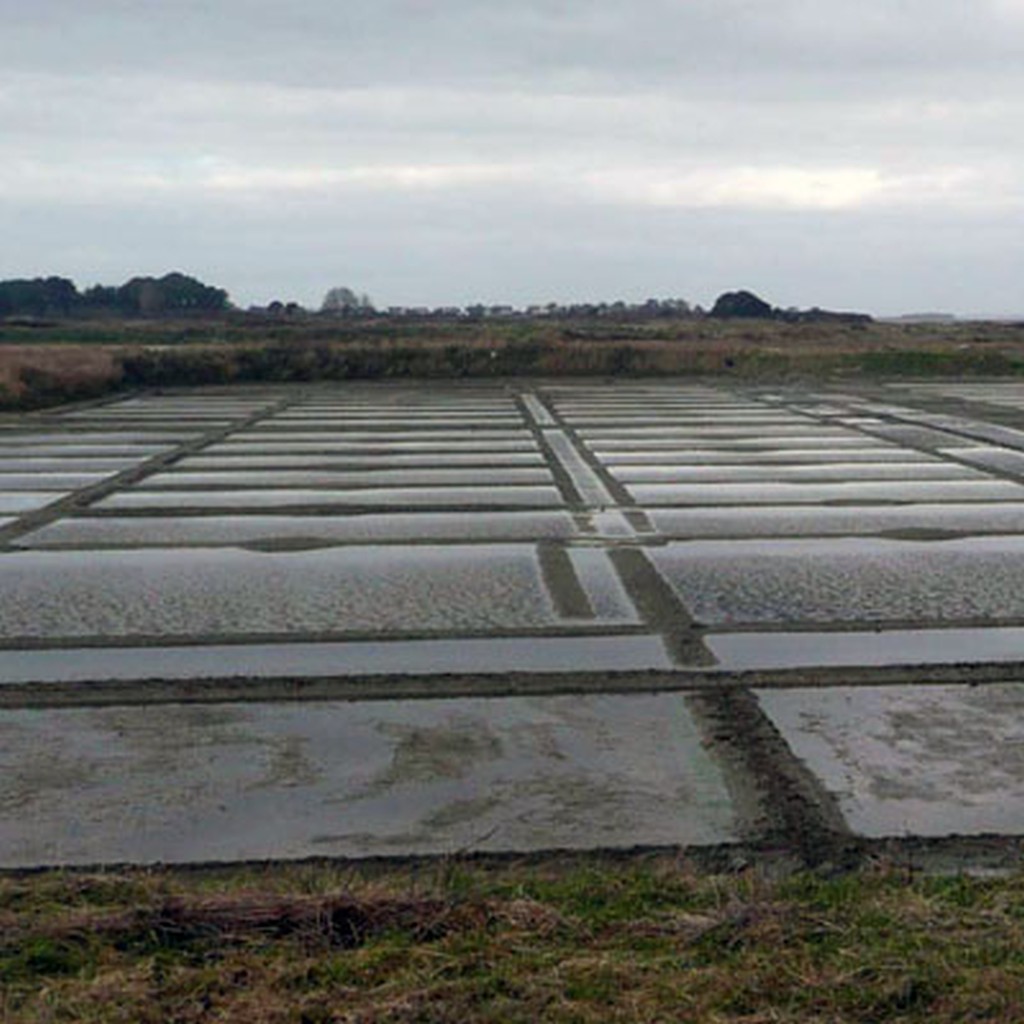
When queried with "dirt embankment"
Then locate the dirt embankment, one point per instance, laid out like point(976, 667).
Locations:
point(65, 363)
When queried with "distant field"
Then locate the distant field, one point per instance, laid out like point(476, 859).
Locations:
point(47, 364)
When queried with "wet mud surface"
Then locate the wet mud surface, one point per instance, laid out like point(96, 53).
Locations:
point(362, 620)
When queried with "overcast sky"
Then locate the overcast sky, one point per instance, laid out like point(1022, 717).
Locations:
point(860, 154)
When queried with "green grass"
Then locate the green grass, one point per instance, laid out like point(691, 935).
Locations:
point(582, 939)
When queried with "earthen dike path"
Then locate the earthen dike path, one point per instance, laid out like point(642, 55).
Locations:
point(390, 620)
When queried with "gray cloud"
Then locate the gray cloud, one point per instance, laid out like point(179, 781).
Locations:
point(364, 42)
point(450, 151)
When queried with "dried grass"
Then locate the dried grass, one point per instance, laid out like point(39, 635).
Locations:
point(130, 355)
point(47, 374)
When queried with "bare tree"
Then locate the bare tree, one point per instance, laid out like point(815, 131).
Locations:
point(343, 301)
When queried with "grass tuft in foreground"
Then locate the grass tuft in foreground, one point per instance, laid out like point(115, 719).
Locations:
point(578, 939)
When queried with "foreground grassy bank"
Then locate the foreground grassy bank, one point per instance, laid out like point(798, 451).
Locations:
point(577, 939)
point(46, 366)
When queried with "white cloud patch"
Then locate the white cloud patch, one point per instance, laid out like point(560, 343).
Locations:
point(413, 177)
point(791, 188)
point(785, 187)
point(208, 179)
point(1009, 10)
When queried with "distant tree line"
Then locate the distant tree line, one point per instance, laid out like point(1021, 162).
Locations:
point(171, 295)
point(741, 304)
point(744, 305)
point(344, 302)
point(177, 294)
